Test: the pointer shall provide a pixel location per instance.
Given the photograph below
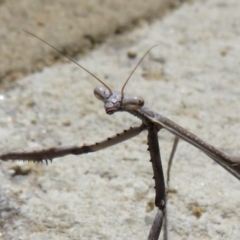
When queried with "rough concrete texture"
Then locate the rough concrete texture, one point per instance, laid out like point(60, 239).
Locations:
point(192, 77)
point(73, 26)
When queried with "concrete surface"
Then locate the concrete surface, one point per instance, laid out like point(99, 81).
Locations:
point(192, 78)
point(73, 26)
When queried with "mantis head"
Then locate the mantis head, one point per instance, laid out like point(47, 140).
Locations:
point(115, 101)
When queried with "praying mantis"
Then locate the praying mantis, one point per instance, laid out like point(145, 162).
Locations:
point(152, 122)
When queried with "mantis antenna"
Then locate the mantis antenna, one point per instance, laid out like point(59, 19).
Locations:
point(135, 69)
point(71, 60)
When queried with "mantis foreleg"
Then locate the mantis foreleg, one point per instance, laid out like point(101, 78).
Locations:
point(56, 152)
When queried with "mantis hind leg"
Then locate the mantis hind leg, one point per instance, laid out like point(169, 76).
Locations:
point(170, 160)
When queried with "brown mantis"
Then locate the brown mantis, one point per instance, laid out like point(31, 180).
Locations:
point(152, 122)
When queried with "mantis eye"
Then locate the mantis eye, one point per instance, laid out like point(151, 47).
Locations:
point(101, 93)
point(133, 103)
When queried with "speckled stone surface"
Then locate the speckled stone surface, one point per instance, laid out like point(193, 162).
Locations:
point(192, 77)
